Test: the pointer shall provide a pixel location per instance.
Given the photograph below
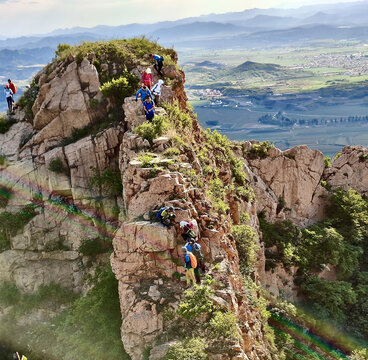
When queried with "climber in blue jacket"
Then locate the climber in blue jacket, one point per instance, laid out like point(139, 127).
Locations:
point(143, 92)
point(159, 63)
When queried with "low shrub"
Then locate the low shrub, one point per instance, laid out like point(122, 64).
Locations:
point(5, 195)
point(28, 98)
point(9, 294)
point(92, 129)
point(170, 152)
point(152, 130)
point(327, 160)
point(147, 160)
point(56, 165)
point(246, 242)
point(177, 118)
point(118, 89)
point(196, 302)
point(259, 150)
point(2, 160)
point(190, 348)
point(11, 223)
point(108, 181)
point(5, 123)
point(217, 193)
point(96, 246)
point(224, 325)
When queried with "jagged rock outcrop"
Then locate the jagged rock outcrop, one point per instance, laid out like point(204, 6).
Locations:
point(349, 170)
point(64, 99)
point(287, 184)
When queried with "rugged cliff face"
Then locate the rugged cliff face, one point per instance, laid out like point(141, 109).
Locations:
point(74, 156)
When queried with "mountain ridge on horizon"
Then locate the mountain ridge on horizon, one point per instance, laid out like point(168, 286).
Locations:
point(299, 15)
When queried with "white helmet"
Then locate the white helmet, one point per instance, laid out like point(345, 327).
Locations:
point(183, 223)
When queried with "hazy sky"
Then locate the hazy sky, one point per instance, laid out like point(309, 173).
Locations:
point(23, 17)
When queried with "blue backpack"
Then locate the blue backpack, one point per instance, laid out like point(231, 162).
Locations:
point(158, 215)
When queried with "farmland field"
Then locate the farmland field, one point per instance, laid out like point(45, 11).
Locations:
point(327, 83)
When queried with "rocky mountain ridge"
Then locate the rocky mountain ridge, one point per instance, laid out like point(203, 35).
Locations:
point(203, 179)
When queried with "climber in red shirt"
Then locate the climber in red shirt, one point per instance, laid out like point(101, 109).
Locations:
point(12, 86)
point(147, 78)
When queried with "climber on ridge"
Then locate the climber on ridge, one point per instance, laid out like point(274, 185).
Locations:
point(166, 215)
point(9, 97)
point(12, 86)
point(159, 63)
point(147, 78)
point(188, 234)
point(156, 91)
point(149, 108)
point(143, 92)
point(197, 251)
point(190, 265)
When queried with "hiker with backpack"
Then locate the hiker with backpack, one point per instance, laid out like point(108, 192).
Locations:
point(197, 252)
point(12, 86)
point(9, 97)
point(156, 91)
point(143, 92)
point(147, 78)
point(190, 264)
point(188, 233)
point(149, 108)
point(166, 215)
point(159, 63)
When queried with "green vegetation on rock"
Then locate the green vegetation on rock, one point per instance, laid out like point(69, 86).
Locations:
point(5, 123)
point(88, 326)
point(56, 165)
point(339, 242)
point(107, 181)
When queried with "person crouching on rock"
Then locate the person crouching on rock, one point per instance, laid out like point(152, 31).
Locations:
point(166, 215)
point(188, 233)
point(159, 63)
point(190, 264)
point(143, 92)
point(149, 108)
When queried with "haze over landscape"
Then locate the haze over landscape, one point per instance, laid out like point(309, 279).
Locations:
point(315, 49)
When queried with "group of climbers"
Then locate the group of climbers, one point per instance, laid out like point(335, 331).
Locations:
point(145, 92)
point(9, 90)
point(193, 257)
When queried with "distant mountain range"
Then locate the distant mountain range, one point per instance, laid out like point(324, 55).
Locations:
point(245, 26)
point(255, 28)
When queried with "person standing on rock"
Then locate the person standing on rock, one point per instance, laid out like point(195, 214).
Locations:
point(190, 264)
point(9, 97)
point(197, 251)
point(159, 63)
point(143, 92)
point(12, 86)
point(149, 108)
point(156, 91)
point(147, 78)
